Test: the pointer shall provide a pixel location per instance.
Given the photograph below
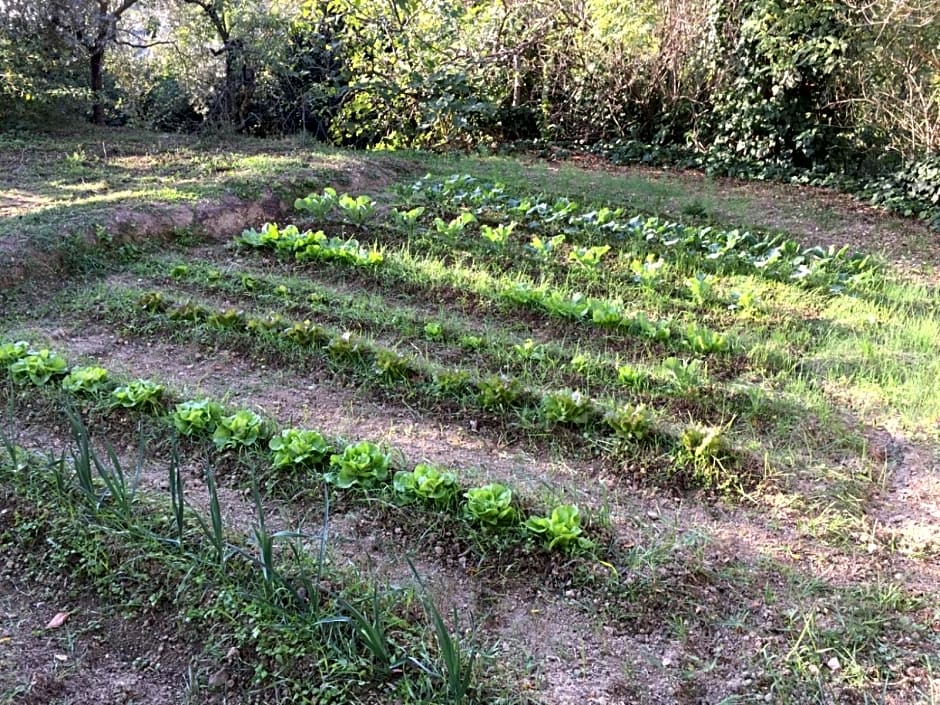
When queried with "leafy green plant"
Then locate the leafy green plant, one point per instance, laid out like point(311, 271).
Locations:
point(452, 383)
point(529, 350)
point(497, 235)
point(490, 505)
point(428, 483)
point(701, 288)
point(152, 302)
point(346, 346)
point(139, 394)
point(454, 228)
point(588, 257)
point(471, 342)
point(294, 448)
point(705, 451)
point(704, 340)
point(90, 381)
point(545, 248)
point(11, 352)
point(197, 416)
point(38, 367)
point(606, 313)
point(239, 430)
point(391, 364)
point(271, 236)
point(648, 271)
point(566, 407)
point(362, 463)
point(409, 219)
point(654, 330)
point(306, 334)
point(497, 392)
point(356, 210)
point(628, 421)
point(434, 330)
point(684, 375)
point(632, 376)
point(229, 318)
point(561, 529)
point(188, 311)
point(319, 206)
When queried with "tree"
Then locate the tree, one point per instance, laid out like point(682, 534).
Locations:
point(92, 27)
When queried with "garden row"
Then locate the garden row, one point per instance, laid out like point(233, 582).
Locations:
point(701, 456)
point(774, 257)
point(447, 336)
point(293, 625)
point(301, 452)
point(516, 290)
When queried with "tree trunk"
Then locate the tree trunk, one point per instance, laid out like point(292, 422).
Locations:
point(97, 86)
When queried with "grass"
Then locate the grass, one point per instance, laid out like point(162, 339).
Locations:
point(795, 561)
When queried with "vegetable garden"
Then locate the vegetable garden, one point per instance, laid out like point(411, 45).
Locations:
point(615, 368)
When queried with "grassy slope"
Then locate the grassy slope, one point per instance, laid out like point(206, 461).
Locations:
point(868, 369)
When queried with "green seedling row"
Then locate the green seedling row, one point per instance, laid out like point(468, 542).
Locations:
point(622, 423)
point(510, 353)
point(344, 465)
point(545, 298)
point(774, 257)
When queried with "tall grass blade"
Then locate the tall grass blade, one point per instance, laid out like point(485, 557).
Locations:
point(177, 498)
point(458, 669)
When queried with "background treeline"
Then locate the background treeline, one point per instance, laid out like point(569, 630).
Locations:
point(757, 87)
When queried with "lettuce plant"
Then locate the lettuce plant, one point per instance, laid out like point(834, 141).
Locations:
point(408, 219)
point(319, 206)
point(701, 288)
point(529, 350)
point(705, 452)
point(498, 235)
point(632, 376)
point(391, 364)
point(648, 271)
point(566, 407)
point(628, 421)
point(684, 375)
point(428, 483)
point(38, 367)
point(240, 430)
point(704, 340)
point(271, 236)
point(294, 447)
point(561, 529)
point(11, 352)
point(498, 392)
point(588, 257)
point(452, 383)
point(490, 505)
point(545, 248)
point(356, 210)
point(152, 302)
point(454, 228)
point(90, 381)
point(702, 445)
point(229, 318)
point(198, 416)
point(306, 334)
point(362, 464)
point(139, 394)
